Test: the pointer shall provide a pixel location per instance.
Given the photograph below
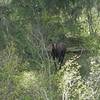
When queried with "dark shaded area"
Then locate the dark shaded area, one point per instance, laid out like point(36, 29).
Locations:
point(57, 51)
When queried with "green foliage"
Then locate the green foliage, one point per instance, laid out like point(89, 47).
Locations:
point(26, 71)
point(71, 84)
point(69, 80)
point(11, 65)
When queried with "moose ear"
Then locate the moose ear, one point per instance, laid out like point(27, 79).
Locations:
point(50, 41)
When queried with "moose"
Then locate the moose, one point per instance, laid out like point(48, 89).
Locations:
point(57, 52)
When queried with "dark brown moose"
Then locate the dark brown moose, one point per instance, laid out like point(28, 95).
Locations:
point(57, 52)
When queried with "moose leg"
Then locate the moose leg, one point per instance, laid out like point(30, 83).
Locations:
point(54, 60)
point(60, 61)
point(55, 65)
point(61, 58)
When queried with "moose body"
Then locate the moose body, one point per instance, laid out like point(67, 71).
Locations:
point(57, 51)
